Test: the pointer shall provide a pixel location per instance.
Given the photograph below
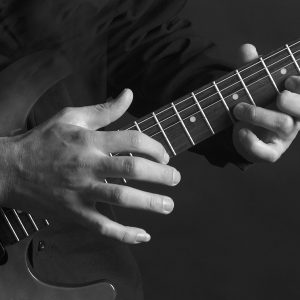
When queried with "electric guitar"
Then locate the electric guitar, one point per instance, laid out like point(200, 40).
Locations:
point(27, 243)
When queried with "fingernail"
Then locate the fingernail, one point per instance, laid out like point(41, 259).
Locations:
point(143, 237)
point(176, 177)
point(166, 158)
point(168, 205)
point(290, 84)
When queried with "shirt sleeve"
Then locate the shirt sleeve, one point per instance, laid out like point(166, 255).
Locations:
point(157, 52)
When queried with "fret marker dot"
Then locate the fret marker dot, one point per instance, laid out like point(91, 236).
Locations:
point(283, 71)
point(193, 119)
point(235, 97)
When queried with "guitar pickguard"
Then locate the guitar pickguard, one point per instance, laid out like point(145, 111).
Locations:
point(68, 263)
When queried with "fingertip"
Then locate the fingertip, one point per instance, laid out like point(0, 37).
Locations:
point(290, 84)
point(142, 237)
point(166, 158)
point(168, 205)
point(127, 94)
point(248, 53)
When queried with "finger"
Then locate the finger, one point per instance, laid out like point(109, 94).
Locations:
point(131, 198)
point(137, 168)
point(293, 84)
point(277, 122)
point(289, 103)
point(247, 53)
point(111, 229)
point(100, 115)
point(255, 150)
point(130, 142)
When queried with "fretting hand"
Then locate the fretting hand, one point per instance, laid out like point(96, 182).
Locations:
point(59, 169)
point(263, 135)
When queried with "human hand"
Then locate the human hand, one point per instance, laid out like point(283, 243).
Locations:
point(263, 135)
point(60, 167)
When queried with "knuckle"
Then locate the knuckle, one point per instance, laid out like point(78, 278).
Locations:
point(104, 229)
point(79, 136)
point(285, 124)
point(89, 137)
point(66, 112)
point(105, 165)
point(251, 112)
point(123, 236)
point(154, 203)
point(274, 157)
point(100, 106)
point(168, 174)
point(117, 196)
point(135, 139)
point(129, 166)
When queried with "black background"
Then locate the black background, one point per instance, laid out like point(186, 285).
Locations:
point(233, 234)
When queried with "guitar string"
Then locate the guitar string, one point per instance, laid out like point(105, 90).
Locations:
point(196, 113)
point(202, 100)
point(220, 100)
point(228, 96)
point(227, 78)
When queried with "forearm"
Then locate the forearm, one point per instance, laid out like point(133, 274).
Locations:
point(7, 166)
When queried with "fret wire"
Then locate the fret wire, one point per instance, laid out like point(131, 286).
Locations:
point(202, 113)
point(9, 224)
point(217, 93)
point(20, 221)
point(32, 222)
point(164, 134)
point(47, 222)
point(137, 126)
point(250, 66)
point(220, 100)
point(269, 74)
point(293, 57)
point(224, 102)
point(183, 125)
point(245, 87)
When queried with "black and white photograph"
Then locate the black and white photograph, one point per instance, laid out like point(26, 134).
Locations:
point(149, 150)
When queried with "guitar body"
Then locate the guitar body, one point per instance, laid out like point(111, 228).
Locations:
point(18, 283)
point(61, 262)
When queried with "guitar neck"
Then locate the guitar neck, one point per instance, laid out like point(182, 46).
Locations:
point(192, 118)
point(203, 113)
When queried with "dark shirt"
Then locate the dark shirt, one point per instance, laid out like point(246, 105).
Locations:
point(148, 46)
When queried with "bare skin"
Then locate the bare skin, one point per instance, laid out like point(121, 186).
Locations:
point(58, 168)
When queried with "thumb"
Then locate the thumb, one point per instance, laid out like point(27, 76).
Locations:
point(100, 115)
point(247, 54)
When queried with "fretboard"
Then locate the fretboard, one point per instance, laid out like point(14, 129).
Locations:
point(192, 118)
point(203, 113)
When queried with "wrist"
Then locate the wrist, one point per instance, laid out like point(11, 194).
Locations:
point(8, 159)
